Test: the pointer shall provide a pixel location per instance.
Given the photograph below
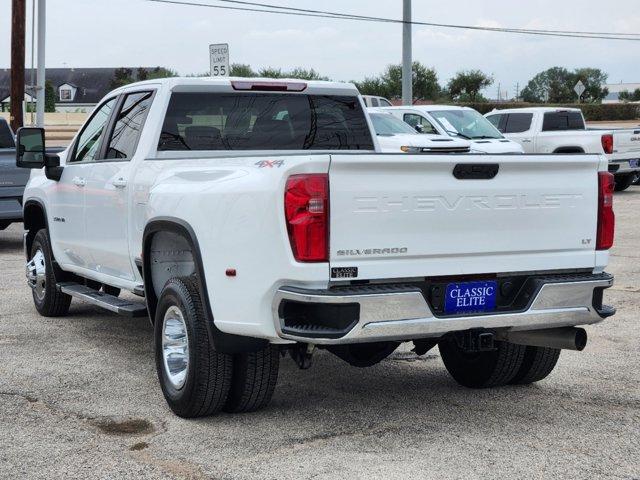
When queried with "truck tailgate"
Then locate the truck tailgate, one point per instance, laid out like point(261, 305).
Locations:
point(626, 143)
point(401, 216)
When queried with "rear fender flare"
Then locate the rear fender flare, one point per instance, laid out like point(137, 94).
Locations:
point(223, 342)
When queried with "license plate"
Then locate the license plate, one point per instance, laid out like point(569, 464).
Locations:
point(634, 163)
point(470, 297)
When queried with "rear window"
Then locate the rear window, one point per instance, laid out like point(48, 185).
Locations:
point(264, 121)
point(518, 122)
point(6, 137)
point(554, 121)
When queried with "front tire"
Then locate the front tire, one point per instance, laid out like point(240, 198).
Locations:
point(482, 369)
point(41, 276)
point(194, 377)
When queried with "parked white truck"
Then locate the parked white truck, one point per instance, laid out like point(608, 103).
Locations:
point(253, 217)
point(457, 122)
point(396, 136)
point(563, 130)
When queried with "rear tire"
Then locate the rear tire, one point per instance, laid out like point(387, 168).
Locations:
point(624, 181)
point(537, 364)
point(194, 377)
point(254, 380)
point(48, 300)
point(482, 369)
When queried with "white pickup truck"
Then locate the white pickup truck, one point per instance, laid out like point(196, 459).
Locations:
point(249, 218)
point(458, 122)
point(563, 130)
point(396, 136)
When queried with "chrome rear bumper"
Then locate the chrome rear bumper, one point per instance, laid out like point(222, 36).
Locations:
point(401, 312)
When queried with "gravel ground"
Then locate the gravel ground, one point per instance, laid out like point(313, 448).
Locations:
point(79, 399)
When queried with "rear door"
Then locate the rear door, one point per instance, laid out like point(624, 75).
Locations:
point(400, 216)
point(518, 127)
point(108, 192)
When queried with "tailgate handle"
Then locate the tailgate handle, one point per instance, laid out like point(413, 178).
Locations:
point(476, 171)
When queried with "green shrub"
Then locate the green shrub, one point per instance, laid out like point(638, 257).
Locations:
point(592, 111)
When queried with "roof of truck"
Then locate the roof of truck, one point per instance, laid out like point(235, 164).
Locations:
point(316, 86)
point(429, 108)
point(534, 110)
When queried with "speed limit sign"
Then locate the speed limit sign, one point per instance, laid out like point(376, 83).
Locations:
point(219, 57)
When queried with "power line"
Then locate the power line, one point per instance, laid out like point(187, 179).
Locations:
point(391, 20)
point(291, 11)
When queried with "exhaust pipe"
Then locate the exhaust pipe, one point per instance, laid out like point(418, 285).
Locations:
point(568, 338)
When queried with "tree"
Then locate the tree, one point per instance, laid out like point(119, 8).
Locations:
point(466, 85)
point(121, 76)
point(556, 84)
point(304, 74)
point(593, 79)
point(49, 97)
point(158, 72)
point(627, 96)
point(389, 84)
point(241, 70)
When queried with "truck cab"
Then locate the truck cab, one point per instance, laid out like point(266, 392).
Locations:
point(564, 130)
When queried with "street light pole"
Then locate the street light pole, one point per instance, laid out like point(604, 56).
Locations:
point(407, 76)
point(40, 77)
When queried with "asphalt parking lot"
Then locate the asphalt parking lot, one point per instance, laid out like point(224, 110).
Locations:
point(79, 399)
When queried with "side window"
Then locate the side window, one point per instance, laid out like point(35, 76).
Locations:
point(518, 122)
point(6, 136)
point(89, 140)
point(554, 121)
point(415, 119)
point(499, 121)
point(495, 120)
point(128, 125)
point(385, 103)
point(374, 102)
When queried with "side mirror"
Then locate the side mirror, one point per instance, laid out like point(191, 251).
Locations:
point(419, 128)
point(30, 151)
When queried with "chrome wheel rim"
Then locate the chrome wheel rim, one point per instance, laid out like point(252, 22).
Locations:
point(175, 347)
point(37, 274)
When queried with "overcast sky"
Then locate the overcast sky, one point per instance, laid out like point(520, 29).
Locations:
point(112, 33)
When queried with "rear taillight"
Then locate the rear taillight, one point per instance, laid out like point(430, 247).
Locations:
point(306, 207)
point(607, 143)
point(606, 217)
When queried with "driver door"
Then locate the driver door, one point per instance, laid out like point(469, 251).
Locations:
point(67, 197)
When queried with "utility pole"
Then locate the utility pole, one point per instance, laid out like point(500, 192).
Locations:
point(18, 18)
point(407, 71)
point(40, 78)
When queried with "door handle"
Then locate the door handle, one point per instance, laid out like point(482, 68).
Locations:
point(79, 182)
point(526, 140)
point(119, 182)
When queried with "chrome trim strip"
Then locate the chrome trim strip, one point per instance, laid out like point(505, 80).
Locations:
point(406, 315)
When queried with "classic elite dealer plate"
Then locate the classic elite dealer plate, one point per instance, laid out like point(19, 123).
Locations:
point(470, 297)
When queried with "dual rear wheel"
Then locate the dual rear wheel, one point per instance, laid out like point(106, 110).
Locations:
point(196, 379)
point(507, 364)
